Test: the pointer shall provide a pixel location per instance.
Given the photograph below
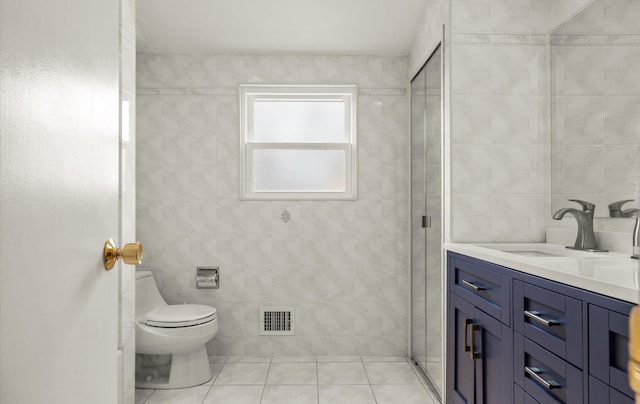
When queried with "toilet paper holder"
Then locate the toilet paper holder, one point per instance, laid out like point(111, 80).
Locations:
point(207, 277)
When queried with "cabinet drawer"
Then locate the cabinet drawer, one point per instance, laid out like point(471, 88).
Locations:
point(550, 319)
point(482, 284)
point(601, 393)
point(544, 376)
point(520, 397)
point(608, 347)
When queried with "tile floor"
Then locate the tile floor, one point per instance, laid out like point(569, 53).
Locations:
point(302, 380)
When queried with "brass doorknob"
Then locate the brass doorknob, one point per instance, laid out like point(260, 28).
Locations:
point(130, 253)
point(634, 350)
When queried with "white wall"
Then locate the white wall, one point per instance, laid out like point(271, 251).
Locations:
point(497, 149)
point(499, 136)
point(596, 111)
point(428, 34)
point(342, 264)
point(496, 140)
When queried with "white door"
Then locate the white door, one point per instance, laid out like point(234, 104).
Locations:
point(58, 200)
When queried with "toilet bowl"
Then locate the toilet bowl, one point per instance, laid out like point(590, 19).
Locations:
point(177, 330)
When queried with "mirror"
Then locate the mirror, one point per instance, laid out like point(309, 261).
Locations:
point(595, 107)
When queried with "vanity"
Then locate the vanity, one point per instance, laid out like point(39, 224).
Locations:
point(538, 323)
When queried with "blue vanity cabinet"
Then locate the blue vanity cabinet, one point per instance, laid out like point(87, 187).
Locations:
point(601, 393)
point(562, 344)
point(494, 360)
point(520, 397)
point(479, 347)
point(460, 365)
point(608, 349)
point(482, 284)
point(479, 339)
point(544, 376)
point(550, 319)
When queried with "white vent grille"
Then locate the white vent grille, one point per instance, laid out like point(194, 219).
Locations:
point(277, 321)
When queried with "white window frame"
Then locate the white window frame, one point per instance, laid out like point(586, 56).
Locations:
point(249, 93)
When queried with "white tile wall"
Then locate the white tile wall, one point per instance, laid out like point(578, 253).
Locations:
point(498, 111)
point(429, 33)
point(341, 264)
point(561, 10)
point(596, 115)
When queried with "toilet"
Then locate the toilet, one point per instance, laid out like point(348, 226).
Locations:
point(171, 339)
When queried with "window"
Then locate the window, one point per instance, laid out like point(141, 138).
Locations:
point(298, 142)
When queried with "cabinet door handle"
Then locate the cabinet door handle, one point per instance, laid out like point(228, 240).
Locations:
point(534, 374)
point(472, 351)
point(534, 315)
point(466, 331)
point(473, 286)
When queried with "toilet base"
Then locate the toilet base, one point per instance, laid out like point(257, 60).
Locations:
point(187, 370)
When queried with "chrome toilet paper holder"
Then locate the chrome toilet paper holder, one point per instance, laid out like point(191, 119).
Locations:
point(207, 277)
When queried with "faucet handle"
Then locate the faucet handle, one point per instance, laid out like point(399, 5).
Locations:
point(615, 208)
point(586, 206)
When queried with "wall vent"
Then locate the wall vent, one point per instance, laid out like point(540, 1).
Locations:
point(277, 321)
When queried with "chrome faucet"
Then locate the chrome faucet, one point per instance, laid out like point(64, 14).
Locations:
point(615, 209)
point(586, 239)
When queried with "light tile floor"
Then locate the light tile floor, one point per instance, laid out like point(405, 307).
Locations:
point(302, 380)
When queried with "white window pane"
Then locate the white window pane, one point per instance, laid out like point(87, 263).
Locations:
point(298, 121)
point(299, 170)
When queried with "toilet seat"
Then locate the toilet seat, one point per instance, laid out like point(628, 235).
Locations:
point(179, 315)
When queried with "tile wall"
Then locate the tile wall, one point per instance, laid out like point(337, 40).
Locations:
point(428, 34)
point(499, 136)
point(559, 11)
point(596, 110)
point(126, 295)
point(342, 264)
point(496, 139)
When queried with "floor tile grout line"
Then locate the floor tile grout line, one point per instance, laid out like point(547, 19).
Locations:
point(413, 367)
point(415, 371)
point(368, 380)
point(205, 396)
point(213, 380)
point(317, 382)
point(147, 399)
point(420, 377)
point(264, 386)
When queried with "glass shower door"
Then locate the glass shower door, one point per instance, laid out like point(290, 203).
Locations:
point(418, 233)
point(426, 231)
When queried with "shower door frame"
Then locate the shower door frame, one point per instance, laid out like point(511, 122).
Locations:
point(434, 387)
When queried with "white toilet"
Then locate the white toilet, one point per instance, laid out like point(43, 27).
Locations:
point(178, 330)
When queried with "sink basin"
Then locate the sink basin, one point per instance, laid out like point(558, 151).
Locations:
point(541, 250)
point(534, 253)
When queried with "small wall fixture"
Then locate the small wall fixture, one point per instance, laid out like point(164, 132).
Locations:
point(207, 277)
point(130, 253)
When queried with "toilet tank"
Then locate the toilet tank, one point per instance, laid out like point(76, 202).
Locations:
point(147, 295)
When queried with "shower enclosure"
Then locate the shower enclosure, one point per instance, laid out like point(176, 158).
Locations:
point(426, 233)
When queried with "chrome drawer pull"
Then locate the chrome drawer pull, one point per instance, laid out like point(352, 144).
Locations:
point(472, 286)
point(548, 384)
point(535, 315)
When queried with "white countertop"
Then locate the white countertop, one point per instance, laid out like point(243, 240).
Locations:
point(610, 274)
